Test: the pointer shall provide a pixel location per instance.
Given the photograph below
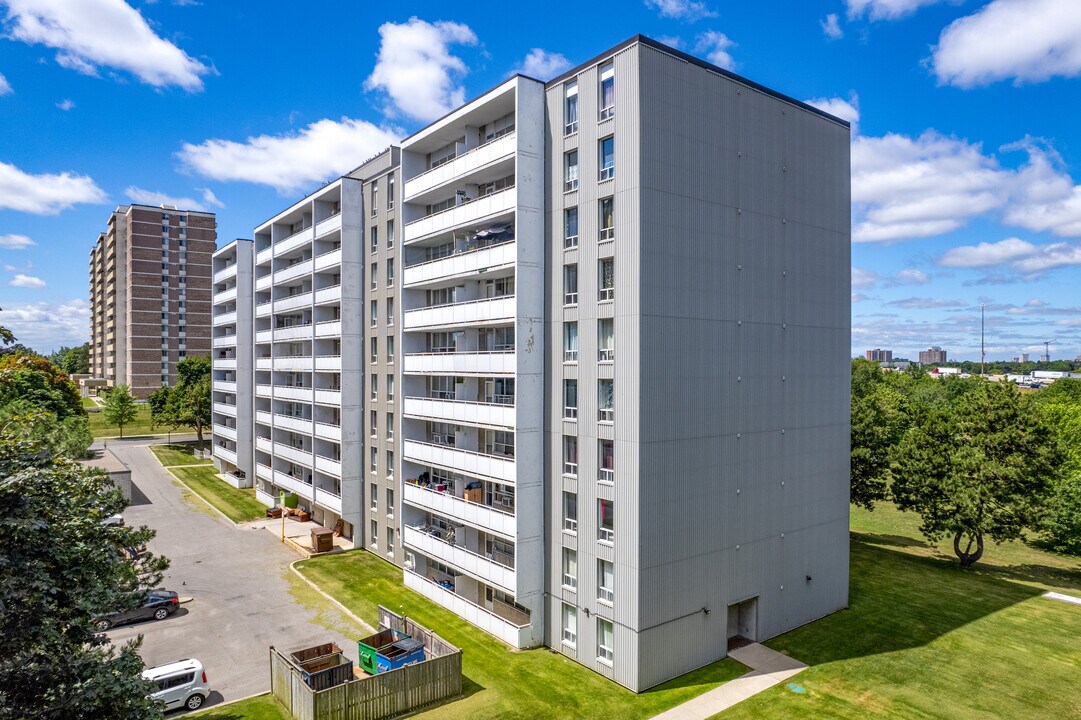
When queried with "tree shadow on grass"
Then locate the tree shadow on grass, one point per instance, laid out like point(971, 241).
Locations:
point(891, 540)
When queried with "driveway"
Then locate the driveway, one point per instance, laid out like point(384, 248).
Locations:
point(239, 581)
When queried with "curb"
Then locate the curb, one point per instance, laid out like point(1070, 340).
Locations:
point(343, 608)
point(176, 478)
point(229, 702)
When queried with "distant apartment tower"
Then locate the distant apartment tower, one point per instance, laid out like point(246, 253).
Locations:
point(232, 362)
point(150, 297)
point(879, 355)
point(932, 356)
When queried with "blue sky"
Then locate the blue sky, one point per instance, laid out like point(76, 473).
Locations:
point(966, 143)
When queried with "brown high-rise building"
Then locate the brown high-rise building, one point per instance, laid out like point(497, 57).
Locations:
point(150, 294)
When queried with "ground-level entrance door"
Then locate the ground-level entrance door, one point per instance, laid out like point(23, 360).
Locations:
point(742, 623)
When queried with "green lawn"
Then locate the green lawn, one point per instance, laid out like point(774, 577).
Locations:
point(177, 454)
point(139, 426)
point(89, 403)
point(263, 707)
point(502, 683)
point(925, 639)
point(237, 505)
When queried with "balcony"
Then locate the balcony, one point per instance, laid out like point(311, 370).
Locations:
point(225, 340)
point(225, 273)
point(328, 431)
point(470, 213)
point(293, 392)
point(330, 294)
point(224, 431)
point(291, 422)
point(264, 417)
point(474, 312)
point(461, 412)
point(265, 498)
point(461, 166)
point(263, 256)
point(228, 318)
point(288, 482)
point(264, 282)
point(227, 386)
point(482, 363)
point(452, 506)
point(328, 499)
point(264, 336)
point(329, 225)
point(330, 466)
point(264, 363)
point(264, 443)
point(328, 328)
point(328, 397)
point(468, 561)
point(225, 453)
point(461, 264)
point(225, 409)
point(293, 302)
point(328, 362)
point(294, 363)
point(264, 390)
point(515, 635)
point(329, 259)
point(263, 309)
point(299, 455)
point(298, 239)
point(293, 272)
point(225, 296)
point(293, 332)
point(465, 461)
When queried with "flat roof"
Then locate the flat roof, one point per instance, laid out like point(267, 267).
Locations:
point(105, 460)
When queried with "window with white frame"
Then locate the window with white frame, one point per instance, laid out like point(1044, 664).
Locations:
point(390, 227)
point(608, 91)
point(606, 581)
point(607, 218)
point(441, 387)
point(570, 342)
point(570, 568)
point(374, 422)
point(606, 279)
point(390, 271)
point(441, 433)
point(375, 349)
point(606, 530)
point(606, 340)
point(570, 228)
point(390, 204)
point(390, 311)
point(374, 535)
point(375, 197)
point(605, 641)
point(607, 470)
point(374, 453)
point(374, 312)
point(390, 387)
point(570, 455)
point(499, 287)
point(390, 498)
point(375, 385)
point(570, 107)
point(498, 339)
point(570, 624)
point(498, 391)
point(374, 233)
point(373, 273)
point(607, 159)
point(570, 171)
point(570, 399)
point(390, 428)
point(570, 284)
point(606, 400)
point(499, 443)
point(443, 342)
point(570, 512)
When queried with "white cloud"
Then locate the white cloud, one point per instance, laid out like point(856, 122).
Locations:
point(859, 297)
point(5, 86)
point(926, 303)
point(47, 326)
point(89, 34)
point(27, 281)
point(1026, 40)
point(885, 9)
point(863, 279)
point(416, 69)
point(912, 276)
point(15, 242)
point(1020, 255)
point(65, 105)
point(845, 109)
point(292, 161)
point(45, 194)
point(831, 27)
point(1044, 197)
point(716, 45)
point(210, 199)
point(688, 10)
point(151, 197)
point(542, 64)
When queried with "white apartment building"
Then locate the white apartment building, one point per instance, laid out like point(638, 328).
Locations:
point(473, 375)
point(231, 355)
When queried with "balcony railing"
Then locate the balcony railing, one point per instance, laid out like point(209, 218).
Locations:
point(469, 462)
point(462, 363)
point(478, 157)
point(483, 310)
point(492, 518)
point(496, 569)
point(515, 634)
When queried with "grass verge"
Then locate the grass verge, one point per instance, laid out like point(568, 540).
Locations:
point(237, 505)
point(262, 707)
point(139, 426)
point(499, 682)
point(181, 453)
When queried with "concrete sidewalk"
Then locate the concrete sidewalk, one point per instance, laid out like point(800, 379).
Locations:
point(768, 668)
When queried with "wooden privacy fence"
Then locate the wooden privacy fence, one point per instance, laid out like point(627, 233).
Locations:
point(376, 697)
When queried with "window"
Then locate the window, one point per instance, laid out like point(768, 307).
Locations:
point(606, 271)
point(390, 271)
point(390, 230)
point(570, 342)
point(570, 228)
point(390, 200)
point(570, 624)
point(500, 287)
point(374, 232)
point(570, 568)
point(373, 422)
point(374, 535)
point(390, 348)
point(374, 467)
point(441, 433)
point(499, 391)
point(608, 91)
point(570, 108)
point(500, 339)
point(442, 342)
point(605, 641)
point(605, 392)
point(570, 399)
point(375, 385)
point(390, 311)
point(374, 499)
point(499, 443)
point(570, 455)
point(606, 583)
point(441, 387)
point(390, 430)
point(375, 197)
point(390, 387)
point(374, 272)
point(390, 541)
point(607, 218)
point(606, 340)
point(607, 472)
point(570, 284)
point(607, 158)
point(390, 501)
point(570, 512)
point(570, 171)
point(606, 531)
point(390, 464)
point(375, 349)
point(374, 311)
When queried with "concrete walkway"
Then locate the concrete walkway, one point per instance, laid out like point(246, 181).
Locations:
point(768, 668)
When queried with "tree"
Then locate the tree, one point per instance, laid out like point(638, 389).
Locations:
point(981, 468)
point(69, 438)
point(161, 408)
point(73, 360)
point(190, 399)
point(1061, 406)
point(120, 407)
point(60, 568)
point(879, 420)
point(34, 379)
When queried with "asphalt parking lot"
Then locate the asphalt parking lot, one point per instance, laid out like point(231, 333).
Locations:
point(238, 582)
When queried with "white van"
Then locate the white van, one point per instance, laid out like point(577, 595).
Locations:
point(181, 684)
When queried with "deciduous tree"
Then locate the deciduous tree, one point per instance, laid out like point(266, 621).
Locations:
point(120, 407)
